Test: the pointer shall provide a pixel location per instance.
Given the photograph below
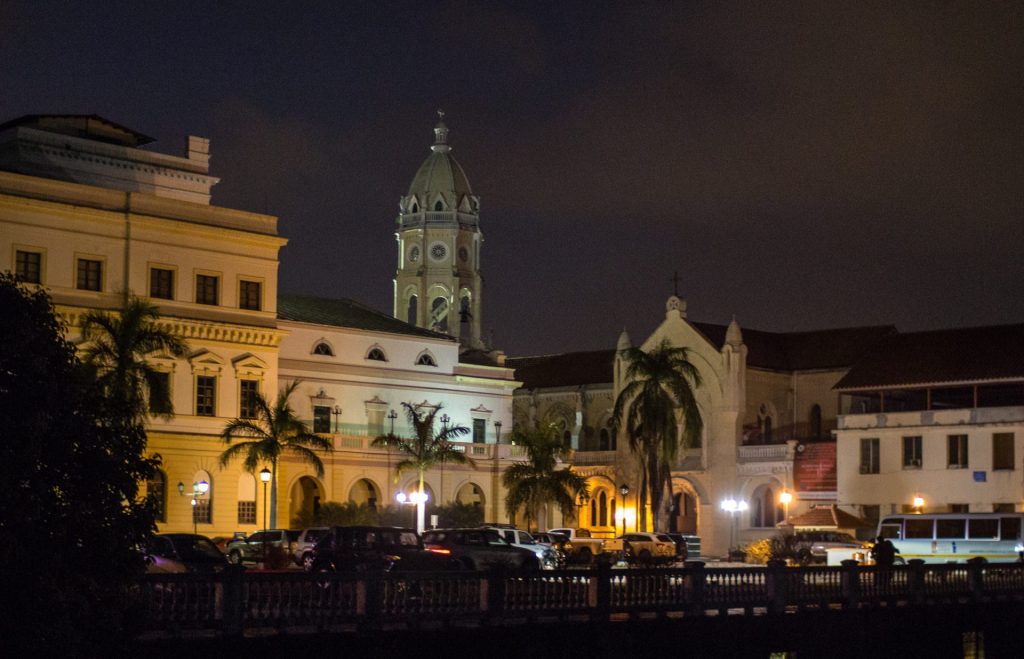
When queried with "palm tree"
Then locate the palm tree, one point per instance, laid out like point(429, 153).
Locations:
point(273, 432)
point(116, 345)
point(659, 395)
point(538, 481)
point(425, 449)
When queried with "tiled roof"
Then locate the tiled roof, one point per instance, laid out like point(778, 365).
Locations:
point(837, 348)
point(564, 370)
point(827, 517)
point(952, 355)
point(345, 313)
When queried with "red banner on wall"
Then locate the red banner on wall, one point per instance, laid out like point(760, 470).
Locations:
point(815, 469)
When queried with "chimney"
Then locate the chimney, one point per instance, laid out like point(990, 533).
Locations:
point(199, 151)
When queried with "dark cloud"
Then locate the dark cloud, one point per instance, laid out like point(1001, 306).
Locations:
point(801, 165)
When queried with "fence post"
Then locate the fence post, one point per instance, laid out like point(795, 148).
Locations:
point(603, 574)
point(776, 580)
point(851, 583)
point(231, 599)
point(374, 580)
point(696, 577)
point(916, 580)
point(496, 584)
point(975, 579)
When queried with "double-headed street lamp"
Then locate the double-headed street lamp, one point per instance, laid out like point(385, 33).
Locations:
point(265, 477)
point(497, 432)
point(418, 499)
point(199, 489)
point(733, 507)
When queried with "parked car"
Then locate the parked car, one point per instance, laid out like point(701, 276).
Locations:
point(812, 546)
point(251, 548)
point(555, 541)
point(648, 548)
point(302, 554)
point(687, 546)
point(361, 548)
point(183, 552)
point(545, 553)
point(479, 549)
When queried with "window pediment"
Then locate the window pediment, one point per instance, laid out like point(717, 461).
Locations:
point(206, 362)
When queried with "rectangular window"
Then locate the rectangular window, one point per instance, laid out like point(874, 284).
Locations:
point(206, 289)
point(206, 395)
point(912, 452)
point(983, 529)
point(919, 528)
point(869, 461)
point(479, 431)
point(160, 394)
point(161, 283)
point(1004, 508)
point(321, 419)
point(950, 528)
point(957, 445)
point(1002, 450)
point(959, 507)
point(246, 512)
point(247, 391)
point(28, 267)
point(90, 275)
point(1009, 528)
point(202, 512)
point(250, 295)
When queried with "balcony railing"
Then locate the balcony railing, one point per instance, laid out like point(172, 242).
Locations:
point(764, 453)
point(236, 602)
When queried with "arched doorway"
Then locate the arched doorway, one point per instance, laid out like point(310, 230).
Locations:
point(305, 501)
point(682, 516)
point(470, 494)
point(364, 492)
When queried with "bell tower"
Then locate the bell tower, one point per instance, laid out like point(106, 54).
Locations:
point(437, 283)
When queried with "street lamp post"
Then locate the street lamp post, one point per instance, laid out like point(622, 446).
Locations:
point(624, 491)
point(392, 415)
point(497, 432)
point(418, 499)
point(444, 428)
point(265, 477)
point(733, 507)
point(785, 499)
point(337, 413)
point(198, 490)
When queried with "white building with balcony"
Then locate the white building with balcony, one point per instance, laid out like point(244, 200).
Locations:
point(937, 415)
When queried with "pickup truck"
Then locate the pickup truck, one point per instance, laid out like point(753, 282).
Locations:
point(582, 548)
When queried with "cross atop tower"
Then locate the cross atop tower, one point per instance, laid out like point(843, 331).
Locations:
point(675, 283)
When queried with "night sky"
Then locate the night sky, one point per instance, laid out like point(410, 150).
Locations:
point(801, 166)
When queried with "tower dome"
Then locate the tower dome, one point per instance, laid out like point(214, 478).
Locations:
point(440, 179)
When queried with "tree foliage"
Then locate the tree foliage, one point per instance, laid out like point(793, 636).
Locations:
point(117, 346)
point(71, 515)
point(275, 431)
point(538, 482)
point(427, 447)
point(659, 397)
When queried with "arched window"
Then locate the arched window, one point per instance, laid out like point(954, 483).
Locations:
point(376, 354)
point(415, 208)
point(602, 508)
point(765, 511)
point(439, 314)
point(156, 491)
point(766, 430)
point(815, 422)
point(411, 312)
point(323, 349)
point(425, 360)
point(202, 506)
point(438, 206)
point(593, 513)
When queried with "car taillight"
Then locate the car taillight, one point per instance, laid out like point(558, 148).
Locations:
point(439, 550)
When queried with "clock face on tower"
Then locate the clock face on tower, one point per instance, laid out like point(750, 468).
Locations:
point(414, 254)
point(438, 251)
